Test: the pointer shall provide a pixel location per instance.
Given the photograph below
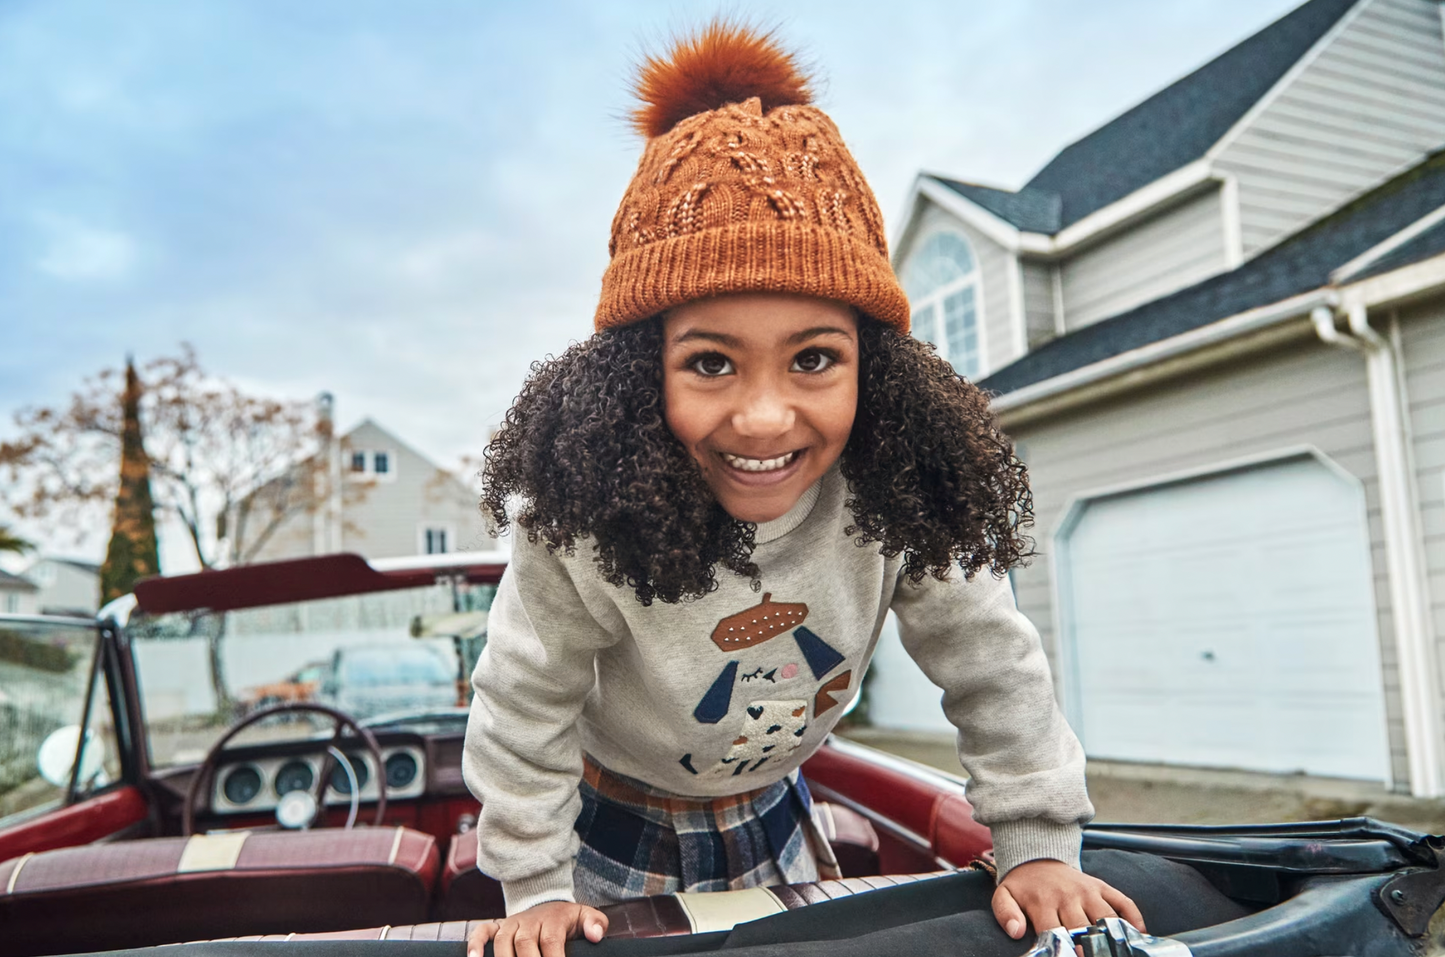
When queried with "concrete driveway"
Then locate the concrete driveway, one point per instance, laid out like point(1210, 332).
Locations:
point(1160, 794)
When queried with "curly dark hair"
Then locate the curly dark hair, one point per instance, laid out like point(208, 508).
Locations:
point(585, 452)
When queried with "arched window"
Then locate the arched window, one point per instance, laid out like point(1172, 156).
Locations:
point(942, 282)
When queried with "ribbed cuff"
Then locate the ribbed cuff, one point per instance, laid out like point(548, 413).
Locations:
point(553, 885)
point(1033, 839)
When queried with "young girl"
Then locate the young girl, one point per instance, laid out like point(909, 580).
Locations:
point(723, 493)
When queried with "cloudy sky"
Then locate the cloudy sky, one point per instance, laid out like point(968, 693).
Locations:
point(407, 203)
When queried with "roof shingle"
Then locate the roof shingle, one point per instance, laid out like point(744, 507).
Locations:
point(1299, 264)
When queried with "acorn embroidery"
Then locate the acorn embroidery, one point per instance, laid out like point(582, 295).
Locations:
point(758, 624)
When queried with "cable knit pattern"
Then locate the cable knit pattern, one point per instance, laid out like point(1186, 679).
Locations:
point(735, 200)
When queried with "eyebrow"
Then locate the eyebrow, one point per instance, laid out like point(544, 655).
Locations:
point(733, 342)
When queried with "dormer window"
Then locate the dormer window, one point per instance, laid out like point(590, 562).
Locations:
point(942, 281)
point(379, 465)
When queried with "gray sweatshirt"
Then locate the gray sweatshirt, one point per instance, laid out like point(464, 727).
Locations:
point(733, 691)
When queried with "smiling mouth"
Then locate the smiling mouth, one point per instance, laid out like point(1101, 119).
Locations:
point(743, 464)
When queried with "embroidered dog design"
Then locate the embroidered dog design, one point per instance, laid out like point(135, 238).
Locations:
point(769, 729)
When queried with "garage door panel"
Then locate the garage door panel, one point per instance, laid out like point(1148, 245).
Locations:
point(1227, 621)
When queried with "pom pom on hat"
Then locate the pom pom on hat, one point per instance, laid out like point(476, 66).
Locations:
point(743, 186)
point(724, 63)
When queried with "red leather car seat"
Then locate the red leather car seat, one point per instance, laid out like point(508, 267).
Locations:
point(166, 890)
point(466, 893)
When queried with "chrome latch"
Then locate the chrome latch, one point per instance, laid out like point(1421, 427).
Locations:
point(1110, 937)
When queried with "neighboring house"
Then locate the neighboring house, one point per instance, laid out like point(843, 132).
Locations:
point(17, 595)
point(1216, 330)
point(392, 501)
point(66, 586)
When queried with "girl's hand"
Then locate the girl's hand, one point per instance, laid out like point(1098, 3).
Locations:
point(541, 931)
point(1053, 894)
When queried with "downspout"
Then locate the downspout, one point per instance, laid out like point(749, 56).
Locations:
point(1404, 548)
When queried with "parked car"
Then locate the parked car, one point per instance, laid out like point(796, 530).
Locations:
point(199, 826)
point(372, 680)
point(300, 685)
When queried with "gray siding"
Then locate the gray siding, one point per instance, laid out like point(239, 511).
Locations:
point(1038, 281)
point(1371, 103)
point(1422, 334)
point(995, 264)
point(1305, 395)
point(1174, 249)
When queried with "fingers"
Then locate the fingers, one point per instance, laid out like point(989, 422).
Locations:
point(593, 923)
point(1072, 916)
point(504, 939)
point(551, 940)
point(1007, 912)
point(1123, 906)
point(477, 942)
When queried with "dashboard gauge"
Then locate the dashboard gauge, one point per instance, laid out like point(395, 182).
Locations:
point(400, 770)
point(242, 785)
point(294, 776)
point(339, 782)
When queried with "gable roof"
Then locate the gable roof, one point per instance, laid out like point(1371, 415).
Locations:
point(1297, 265)
point(11, 582)
point(92, 568)
point(1167, 131)
point(1034, 210)
point(1429, 243)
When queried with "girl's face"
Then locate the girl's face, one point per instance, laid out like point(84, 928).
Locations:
point(761, 388)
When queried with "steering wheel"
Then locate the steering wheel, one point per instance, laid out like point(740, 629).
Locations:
point(207, 770)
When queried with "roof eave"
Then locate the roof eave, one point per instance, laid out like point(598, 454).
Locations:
point(1163, 192)
point(1250, 331)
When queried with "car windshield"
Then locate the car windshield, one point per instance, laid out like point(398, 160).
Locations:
point(389, 653)
point(377, 667)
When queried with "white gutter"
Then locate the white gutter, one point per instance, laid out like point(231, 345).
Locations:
point(1155, 352)
point(1404, 546)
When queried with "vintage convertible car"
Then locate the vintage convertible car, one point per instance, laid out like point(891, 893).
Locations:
point(144, 800)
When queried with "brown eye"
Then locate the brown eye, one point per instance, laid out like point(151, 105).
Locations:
point(812, 360)
point(712, 364)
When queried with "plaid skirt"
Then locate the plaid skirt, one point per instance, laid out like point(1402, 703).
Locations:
point(638, 841)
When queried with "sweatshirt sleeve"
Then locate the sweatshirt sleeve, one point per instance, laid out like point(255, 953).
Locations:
point(523, 757)
point(1025, 766)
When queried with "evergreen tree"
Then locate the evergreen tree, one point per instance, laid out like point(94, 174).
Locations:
point(10, 542)
point(132, 553)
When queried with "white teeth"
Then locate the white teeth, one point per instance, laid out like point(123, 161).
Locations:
point(759, 465)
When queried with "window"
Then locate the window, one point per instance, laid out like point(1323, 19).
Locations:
point(50, 671)
point(12, 603)
point(376, 464)
point(942, 282)
point(435, 539)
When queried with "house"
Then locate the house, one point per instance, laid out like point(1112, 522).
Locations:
point(390, 501)
point(1215, 328)
point(66, 586)
point(17, 595)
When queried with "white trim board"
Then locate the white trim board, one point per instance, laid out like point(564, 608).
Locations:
point(1166, 191)
point(1363, 261)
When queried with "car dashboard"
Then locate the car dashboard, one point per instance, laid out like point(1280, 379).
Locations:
point(256, 784)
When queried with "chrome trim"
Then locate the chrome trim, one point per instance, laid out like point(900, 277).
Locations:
point(1108, 937)
point(932, 776)
point(443, 562)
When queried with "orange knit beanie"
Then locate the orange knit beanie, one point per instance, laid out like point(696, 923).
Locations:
point(742, 187)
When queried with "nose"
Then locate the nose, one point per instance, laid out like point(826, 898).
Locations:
point(764, 413)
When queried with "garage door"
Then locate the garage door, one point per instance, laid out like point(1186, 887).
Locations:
point(1226, 621)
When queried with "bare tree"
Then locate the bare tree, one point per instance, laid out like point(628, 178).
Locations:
point(231, 466)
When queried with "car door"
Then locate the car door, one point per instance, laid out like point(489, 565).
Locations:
point(66, 774)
